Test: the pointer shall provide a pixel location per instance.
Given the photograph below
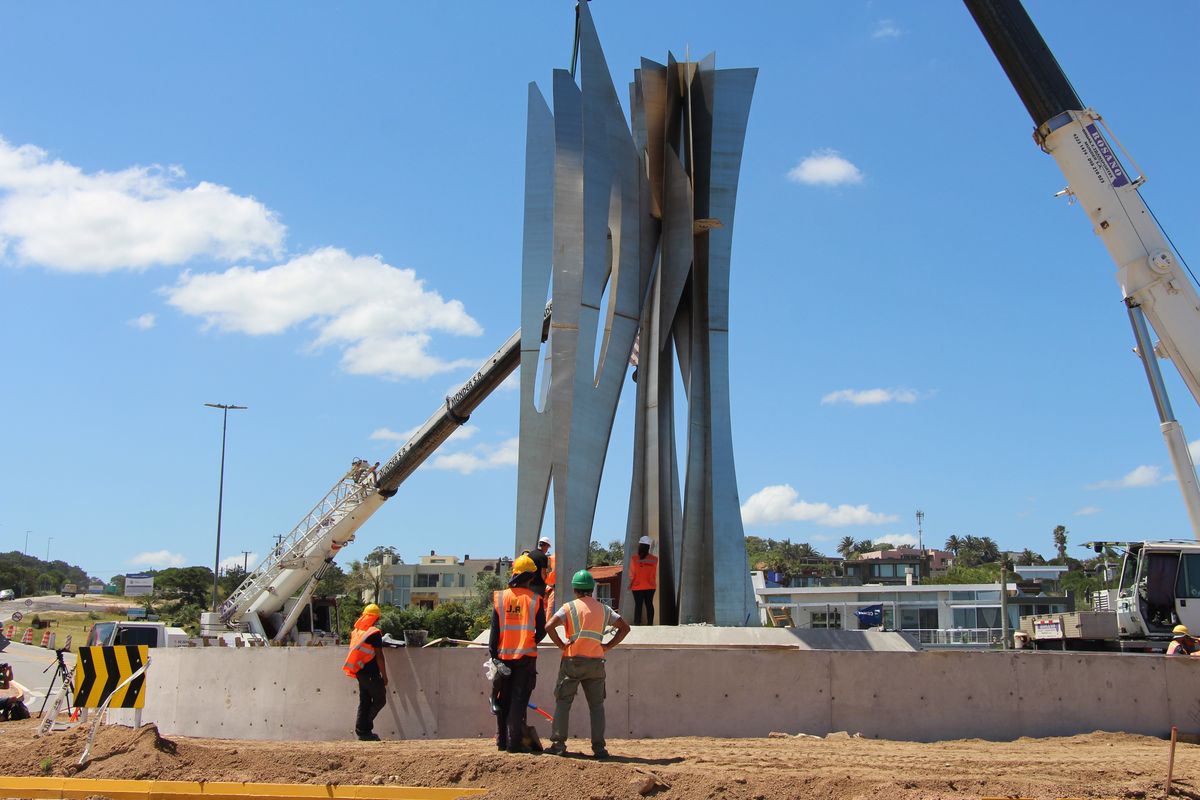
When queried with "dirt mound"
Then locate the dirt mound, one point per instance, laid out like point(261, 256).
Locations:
point(1105, 765)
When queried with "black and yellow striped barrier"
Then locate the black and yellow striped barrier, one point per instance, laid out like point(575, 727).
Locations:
point(56, 788)
point(100, 670)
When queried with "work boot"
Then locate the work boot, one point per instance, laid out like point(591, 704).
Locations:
point(599, 753)
point(368, 737)
point(556, 749)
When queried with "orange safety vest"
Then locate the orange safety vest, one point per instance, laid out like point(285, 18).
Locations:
point(1177, 647)
point(586, 619)
point(550, 571)
point(360, 652)
point(644, 573)
point(516, 609)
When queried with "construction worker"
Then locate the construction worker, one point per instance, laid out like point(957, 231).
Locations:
point(544, 546)
point(518, 624)
point(584, 621)
point(643, 581)
point(365, 662)
point(1182, 643)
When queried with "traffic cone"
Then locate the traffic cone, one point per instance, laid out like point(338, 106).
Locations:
point(8, 630)
point(46, 639)
point(28, 637)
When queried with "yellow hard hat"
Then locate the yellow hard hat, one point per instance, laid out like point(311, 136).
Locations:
point(1180, 630)
point(523, 564)
point(370, 610)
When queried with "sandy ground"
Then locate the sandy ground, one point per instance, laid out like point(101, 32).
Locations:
point(1094, 765)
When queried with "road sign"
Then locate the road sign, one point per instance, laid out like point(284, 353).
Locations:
point(99, 670)
point(17, 615)
point(28, 601)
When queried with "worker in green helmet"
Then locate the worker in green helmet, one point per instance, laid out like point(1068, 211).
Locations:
point(583, 622)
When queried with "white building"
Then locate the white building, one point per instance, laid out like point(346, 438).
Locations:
point(936, 614)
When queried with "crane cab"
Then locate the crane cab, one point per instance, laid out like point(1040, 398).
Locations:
point(1159, 589)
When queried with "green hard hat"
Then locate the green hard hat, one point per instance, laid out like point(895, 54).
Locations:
point(583, 580)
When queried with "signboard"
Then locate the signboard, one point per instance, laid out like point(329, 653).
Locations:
point(870, 615)
point(96, 588)
point(17, 616)
point(1050, 628)
point(138, 584)
point(100, 670)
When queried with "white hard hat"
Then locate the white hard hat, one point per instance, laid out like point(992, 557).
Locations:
point(544, 540)
point(645, 540)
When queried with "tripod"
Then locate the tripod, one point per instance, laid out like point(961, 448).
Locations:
point(64, 675)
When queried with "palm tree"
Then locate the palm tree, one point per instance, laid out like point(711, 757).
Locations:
point(1028, 557)
point(846, 546)
point(953, 543)
point(1060, 542)
point(988, 550)
point(864, 546)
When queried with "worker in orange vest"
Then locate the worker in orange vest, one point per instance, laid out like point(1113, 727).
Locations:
point(365, 662)
point(1182, 643)
point(544, 546)
point(643, 581)
point(518, 624)
point(583, 621)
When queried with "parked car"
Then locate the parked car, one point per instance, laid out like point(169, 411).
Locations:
point(7, 594)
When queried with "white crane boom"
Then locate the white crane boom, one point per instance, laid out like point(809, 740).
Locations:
point(296, 563)
point(1150, 274)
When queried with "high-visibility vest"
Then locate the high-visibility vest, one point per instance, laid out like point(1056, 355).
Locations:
point(586, 620)
point(644, 573)
point(516, 609)
point(360, 652)
point(1177, 647)
point(550, 571)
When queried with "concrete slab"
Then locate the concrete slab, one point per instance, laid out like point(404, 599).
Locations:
point(711, 637)
point(301, 693)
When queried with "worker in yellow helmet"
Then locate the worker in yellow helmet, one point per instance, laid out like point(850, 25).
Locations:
point(1182, 643)
point(365, 662)
point(518, 624)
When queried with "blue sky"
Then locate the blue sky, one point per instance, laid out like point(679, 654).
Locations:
point(315, 211)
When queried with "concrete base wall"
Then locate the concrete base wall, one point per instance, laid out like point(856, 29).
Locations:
point(301, 693)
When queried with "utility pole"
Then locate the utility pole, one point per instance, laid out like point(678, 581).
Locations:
point(225, 409)
point(245, 561)
point(49, 539)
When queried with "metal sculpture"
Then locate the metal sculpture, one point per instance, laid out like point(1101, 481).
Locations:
point(628, 231)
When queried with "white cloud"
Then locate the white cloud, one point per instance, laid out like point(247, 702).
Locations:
point(1141, 477)
point(886, 29)
point(463, 433)
point(869, 397)
point(1194, 450)
point(143, 323)
point(481, 457)
point(781, 503)
point(55, 215)
point(899, 539)
point(1087, 511)
point(825, 168)
point(158, 559)
point(379, 314)
point(238, 560)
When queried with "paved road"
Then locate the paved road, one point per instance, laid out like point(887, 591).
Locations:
point(30, 670)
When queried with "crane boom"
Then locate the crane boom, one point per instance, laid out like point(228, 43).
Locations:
point(296, 563)
point(1153, 283)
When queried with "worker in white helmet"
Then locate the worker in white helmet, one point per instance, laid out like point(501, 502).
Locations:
point(643, 581)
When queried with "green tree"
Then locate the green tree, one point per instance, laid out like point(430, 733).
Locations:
point(479, 607)
point(1060, 542)
point(449, 620)
point(363, 580)
point(953, 544)
point(333, 582)
point(846, 546)
point(984, 573)
point(185, 585)
point(607, 556)
point(864, 546)
point(375, 557)
point(230, 580)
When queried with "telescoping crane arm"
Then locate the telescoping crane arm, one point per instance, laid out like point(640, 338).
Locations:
point(1155, 286)
point(296, 564)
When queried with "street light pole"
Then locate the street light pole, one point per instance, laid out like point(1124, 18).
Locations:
point(49, 539)
point(225, 409)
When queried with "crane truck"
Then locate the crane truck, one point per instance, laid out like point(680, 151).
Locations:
point(271, 602)
point(1158, 578)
